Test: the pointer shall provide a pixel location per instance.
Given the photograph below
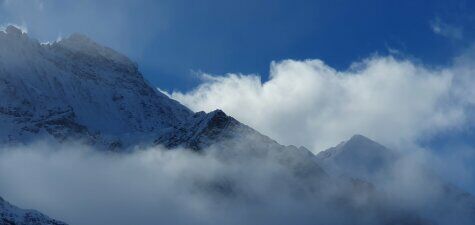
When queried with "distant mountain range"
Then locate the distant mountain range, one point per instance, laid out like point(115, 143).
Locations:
point(75, 89)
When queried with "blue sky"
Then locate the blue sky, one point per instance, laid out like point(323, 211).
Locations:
point(172, 40)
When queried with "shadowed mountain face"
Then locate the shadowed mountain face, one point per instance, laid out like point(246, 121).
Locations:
point(12, 215)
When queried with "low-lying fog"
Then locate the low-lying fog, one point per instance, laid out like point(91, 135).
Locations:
point(80, 185)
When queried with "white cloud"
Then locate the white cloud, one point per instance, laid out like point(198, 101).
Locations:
point(157, 186)
point(161, 187)
point(395, 102)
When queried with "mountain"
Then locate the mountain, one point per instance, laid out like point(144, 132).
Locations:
point(12, 215)
point(77, 88)
point(364, 159)
point(358, 157)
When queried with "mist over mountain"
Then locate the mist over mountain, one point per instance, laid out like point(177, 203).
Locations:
point(86, 139)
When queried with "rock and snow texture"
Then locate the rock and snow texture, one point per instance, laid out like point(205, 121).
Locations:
point(76, 87)
point(12, 215)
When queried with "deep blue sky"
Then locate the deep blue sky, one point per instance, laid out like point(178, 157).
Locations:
point(171, 39)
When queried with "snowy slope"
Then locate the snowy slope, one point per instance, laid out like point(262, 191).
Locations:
point(12, 215)
point(76, 87)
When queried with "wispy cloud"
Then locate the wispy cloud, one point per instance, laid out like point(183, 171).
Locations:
point(447, 30)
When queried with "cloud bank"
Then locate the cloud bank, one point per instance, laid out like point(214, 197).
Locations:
point(83, 186)
point(394, 101)
point(155, 186)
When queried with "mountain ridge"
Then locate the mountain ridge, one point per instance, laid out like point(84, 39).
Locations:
point(74, 89)
point(77, 88)
point(55, 87)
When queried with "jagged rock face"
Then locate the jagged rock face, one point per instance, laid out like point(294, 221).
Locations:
point(12, 215)
point(202, 130)
point(77, 87)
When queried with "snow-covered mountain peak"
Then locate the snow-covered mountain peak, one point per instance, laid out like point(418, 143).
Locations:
point(358, 157)
point(359, 137)
point(358, 146)
point(360, 141)
point(77, 87)
point(80, 43)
